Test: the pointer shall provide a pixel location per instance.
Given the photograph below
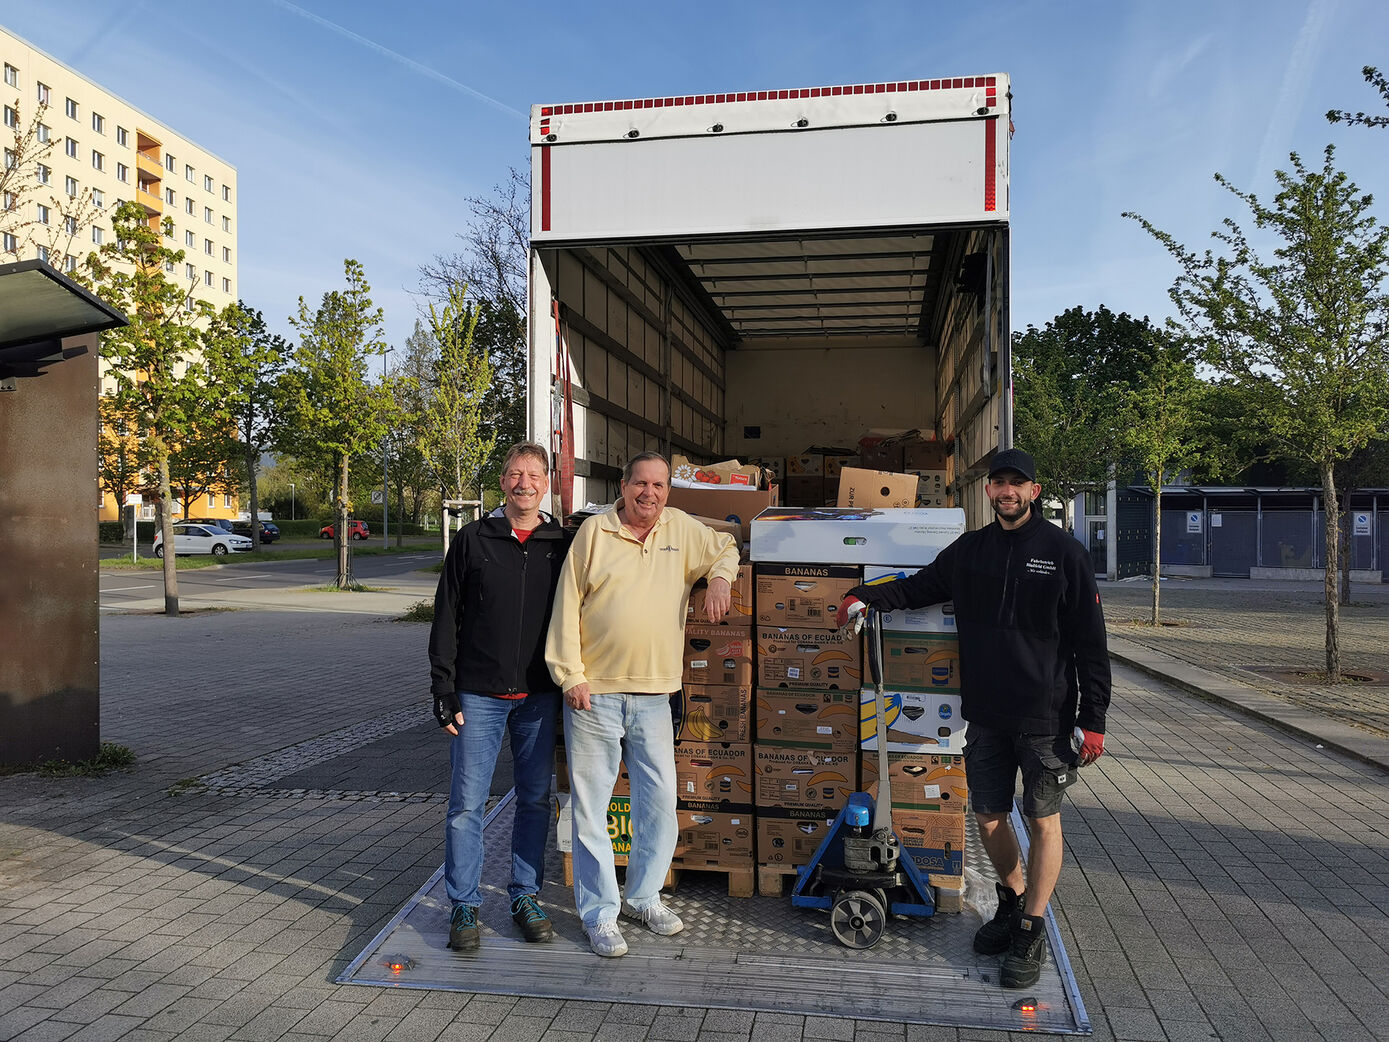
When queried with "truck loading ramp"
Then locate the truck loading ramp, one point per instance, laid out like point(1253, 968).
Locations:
point(750, 953)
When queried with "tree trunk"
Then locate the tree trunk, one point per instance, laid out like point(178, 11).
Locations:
point(1157, 550)
point(1344, 524)
point(340, 529)
point(166, 528)
point(1333, 607)
point(255, 503)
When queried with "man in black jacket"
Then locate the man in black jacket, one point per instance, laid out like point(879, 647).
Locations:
point(1033, 666)
point(488, 676)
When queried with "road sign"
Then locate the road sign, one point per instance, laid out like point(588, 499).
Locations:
point(377, 497)
point(133, 499)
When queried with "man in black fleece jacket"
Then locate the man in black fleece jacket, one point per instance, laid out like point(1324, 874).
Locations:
point(1034, 671)
point(488, 678)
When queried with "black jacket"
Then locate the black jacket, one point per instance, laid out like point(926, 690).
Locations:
point(492, 608)
point(1032, 636)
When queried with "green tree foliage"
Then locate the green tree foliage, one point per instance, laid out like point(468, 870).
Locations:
point(41, 218)
point(330, 410)
point(243, 357)
point(149, 358)
point(452, 437)
point(1375, 79)
point(1303, 334)
point(124, 454)
point(201, 461)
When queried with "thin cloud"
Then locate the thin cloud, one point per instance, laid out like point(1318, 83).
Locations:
point(1169, 66)
point(396, 56)
point(1278, 133)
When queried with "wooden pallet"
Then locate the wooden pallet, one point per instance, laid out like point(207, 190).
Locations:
point(949, 890)
point(771, 879)
point(568, 861)
point(740, 877)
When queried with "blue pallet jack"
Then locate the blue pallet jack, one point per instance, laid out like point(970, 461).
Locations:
point(859, 872)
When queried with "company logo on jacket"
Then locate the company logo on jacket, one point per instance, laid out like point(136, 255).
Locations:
point(1038, 566)
point(673, 549)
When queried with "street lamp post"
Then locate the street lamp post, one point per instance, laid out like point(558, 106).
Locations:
point(291, 501)
point(385, 468)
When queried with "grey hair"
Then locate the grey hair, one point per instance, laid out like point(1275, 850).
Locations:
point(643, 457)
point(526, 448)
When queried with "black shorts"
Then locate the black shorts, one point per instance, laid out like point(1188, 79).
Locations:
point(993, 759)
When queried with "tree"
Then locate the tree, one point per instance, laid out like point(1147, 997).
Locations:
point(148, 359)
point(123, 454)
point(246, 360)
point(201, 460)
point(451, 436)
point(33, 213)
point(1070, 379)
point(1375, 79)
point(331, 412)
point(1304, 333)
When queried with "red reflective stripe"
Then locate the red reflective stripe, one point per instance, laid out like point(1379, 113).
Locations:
point(990, 191)
point(544, 188)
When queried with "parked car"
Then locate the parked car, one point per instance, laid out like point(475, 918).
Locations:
point(355, 529)
point(269, 531)
point(224, 523)
point(202, 539)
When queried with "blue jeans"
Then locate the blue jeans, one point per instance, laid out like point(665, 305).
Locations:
point(594, 741)
point(473, 756)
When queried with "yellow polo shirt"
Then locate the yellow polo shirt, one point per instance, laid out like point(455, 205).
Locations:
point(619, 616)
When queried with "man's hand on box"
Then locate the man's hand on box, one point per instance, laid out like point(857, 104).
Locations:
point(718, 599)
point(850, 611)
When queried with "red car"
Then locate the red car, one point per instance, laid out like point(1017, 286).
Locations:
point(355, 529)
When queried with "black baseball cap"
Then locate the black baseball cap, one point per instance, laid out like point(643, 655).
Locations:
point(1013, 459)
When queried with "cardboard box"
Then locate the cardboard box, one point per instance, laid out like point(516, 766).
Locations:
point(827, 720)
point(737, 504)
point(729, 472)
point(805, 490)
point(715, 837)
point(924, 454)
point(934, 841)
point(917, 722)
point(841, 536)
point(619, 825)
point(804, 779)
point(881, 455)
point(773, 465)
point(936, 618)
point(930, 489)
point(802, 595)
point(835, 464)
point(717, 656)
point(712, 714)
point(864, 489)
point(808, 658)
point(727, 527)
point(790, 841)
point(714, 775)
point(921, 661)
point(920, 781)
point(740, 614)
point(811, 463)
point(621, 787)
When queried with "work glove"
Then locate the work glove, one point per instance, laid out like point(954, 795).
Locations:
point(851, 610)
point(445, 706)
point(1089, 744)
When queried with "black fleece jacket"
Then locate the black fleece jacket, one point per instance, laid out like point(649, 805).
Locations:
point(1033, 656)
point(492, 608)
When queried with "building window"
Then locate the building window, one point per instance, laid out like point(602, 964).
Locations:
point(122, 172)
point(11, 75)
point(98, 198)
point(212, 501)
point(207, 215)
point(188, 204)
point(169, 232)
point(190, 271)
point(207, 247)
point(169, 196)
point(226, 224)
point(98, 161)
point(70, 146)
point(45, 134)
point(226, 285)
point(207, 183)
point(71, 108)
point(11, 243)
point(122, 138)
point(11, 117)
point(189, 239)
point(10, 201)
point(44, 174)
point(169, 266)
point(187, 172)
point(43, 214)
point(169, 163)
point(70, 225)
point(9, 159)
point(69, 263)
point(70, 186)
point(226, 193)
point(42, 253)
point(98, 123)
point(226, 254)
point(207, 278)
point(43, 93)
point(96, 235)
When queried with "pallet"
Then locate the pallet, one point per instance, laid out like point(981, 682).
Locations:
point(740, 877)
point(771, 879)
point(567, 860)
point(949, 890)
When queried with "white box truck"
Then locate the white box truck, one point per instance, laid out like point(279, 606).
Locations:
point(749, 274)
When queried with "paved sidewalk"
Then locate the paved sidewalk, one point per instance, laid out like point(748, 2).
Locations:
point(1224, 878)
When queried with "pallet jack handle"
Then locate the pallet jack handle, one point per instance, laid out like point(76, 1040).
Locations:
point(873, 651)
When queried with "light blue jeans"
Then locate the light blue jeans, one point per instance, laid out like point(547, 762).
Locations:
point(637, 728)
point(473, 756)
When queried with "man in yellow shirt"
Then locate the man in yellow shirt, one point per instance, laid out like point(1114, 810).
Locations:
point(614, 648)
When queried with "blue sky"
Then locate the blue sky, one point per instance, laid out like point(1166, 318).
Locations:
point(358, 129)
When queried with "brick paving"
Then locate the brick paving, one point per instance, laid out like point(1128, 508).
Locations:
point(1224, 879)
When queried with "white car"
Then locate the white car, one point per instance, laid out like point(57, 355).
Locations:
point(202, 539)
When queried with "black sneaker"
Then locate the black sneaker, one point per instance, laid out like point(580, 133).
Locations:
point(531, 918)
point(463, 930)
point(1023, 963)
point(994, 937)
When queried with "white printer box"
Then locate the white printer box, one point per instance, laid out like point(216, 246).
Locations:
point(936, 618)
point(838, 535)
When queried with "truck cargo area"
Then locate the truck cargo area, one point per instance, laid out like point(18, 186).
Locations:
point(751, 953)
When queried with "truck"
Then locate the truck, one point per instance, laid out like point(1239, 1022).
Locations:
point(748, 274)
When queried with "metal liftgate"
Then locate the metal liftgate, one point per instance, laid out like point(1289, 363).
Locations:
point(751, 953)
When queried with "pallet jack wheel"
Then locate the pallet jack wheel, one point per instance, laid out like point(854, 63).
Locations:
point(858, 918)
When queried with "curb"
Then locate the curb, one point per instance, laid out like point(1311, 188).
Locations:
point(1302, 723)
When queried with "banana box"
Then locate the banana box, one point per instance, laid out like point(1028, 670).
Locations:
point(935, 841)
point(936, 618)
point(917, 722)
point(712, 714)
point(713, 775)
point(921, 662)
point(790, 841)
point(718, 656)
point(802, 595)
point(716, 837)
point(920, 781)
point(619, 825)
point(797, 719)
point(622, 787)
point(739, 614)
point(808, 658)
point(804, 779)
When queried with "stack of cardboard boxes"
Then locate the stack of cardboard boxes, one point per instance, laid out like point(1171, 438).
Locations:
point(910, 469)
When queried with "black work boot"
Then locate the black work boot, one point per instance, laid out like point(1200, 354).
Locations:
point(994, 937)
point(528, 915)
point(1022, 966)
point(464, 935)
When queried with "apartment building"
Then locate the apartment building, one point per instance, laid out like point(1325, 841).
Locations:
point(92, 151)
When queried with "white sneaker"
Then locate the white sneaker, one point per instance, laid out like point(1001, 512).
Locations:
point(606, 940)
point(658, 918)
